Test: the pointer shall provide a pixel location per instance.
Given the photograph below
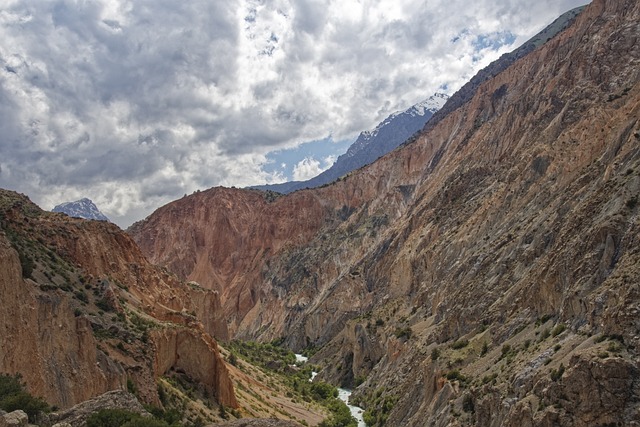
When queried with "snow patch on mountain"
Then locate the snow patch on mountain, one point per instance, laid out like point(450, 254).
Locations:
point(425, 108)
point(370, 145)
point(83, 208)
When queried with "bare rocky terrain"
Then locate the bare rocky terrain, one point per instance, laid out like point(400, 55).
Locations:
point(485, 273)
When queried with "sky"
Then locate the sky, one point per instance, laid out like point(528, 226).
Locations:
point(134, 103)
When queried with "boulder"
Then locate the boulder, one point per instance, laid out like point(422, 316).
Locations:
point(14, 419)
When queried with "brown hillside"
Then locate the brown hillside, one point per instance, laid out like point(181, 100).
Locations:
point(485, 274)
point(83, 312)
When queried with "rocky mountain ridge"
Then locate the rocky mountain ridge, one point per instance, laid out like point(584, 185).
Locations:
point(83, 208)
point(371, 145)
point(466, 92)
point(485, 274)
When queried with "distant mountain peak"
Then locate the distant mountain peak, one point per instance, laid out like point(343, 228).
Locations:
point(83, 208)
point(425, 108)
point(372, 144)
point(432, 104)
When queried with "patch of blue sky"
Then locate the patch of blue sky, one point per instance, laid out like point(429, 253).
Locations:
point(493, 41)
point(283, 162)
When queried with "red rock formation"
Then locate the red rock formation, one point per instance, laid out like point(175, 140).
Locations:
point(77, 270)
point(196, 354)
point(41, 339)
point(519, 205)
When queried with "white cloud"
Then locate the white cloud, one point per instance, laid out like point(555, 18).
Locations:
point(309, 167)
point(329, 161)
point(134, 104)
point(305, 169)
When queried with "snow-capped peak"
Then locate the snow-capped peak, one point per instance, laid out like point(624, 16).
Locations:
point(83, 208)
point(432, 104)
point(429, 105)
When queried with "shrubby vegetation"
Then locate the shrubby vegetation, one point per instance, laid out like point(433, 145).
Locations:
point(273, 358)
point(379, 406)
point(13, 396)
point(123, 418)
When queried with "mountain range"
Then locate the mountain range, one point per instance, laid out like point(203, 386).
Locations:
point(484, 273)
point(370, 145)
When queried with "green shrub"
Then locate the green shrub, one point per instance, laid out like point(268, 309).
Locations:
point(322, 391)
point(556, 374)
point(104, 305)
point(170, 416)
point(614, 347)
point(27, 265)
point(82, 296)
point(9, 385)
point(233, 359)
point(122, 418)
point(467, 404)
point(340, 415)
point(455, 375)
point(506, 349)
point(25, 401)
point(13, 396)
point(558, 330)
point(435, 354)
point(110, 418)
point(223, 412)
point(544, 319)
point(379, 409)
point(460, 344)
point(145, 422)
point(544, 334)
point(404, 333)
point(485, 348)
point(131, 386)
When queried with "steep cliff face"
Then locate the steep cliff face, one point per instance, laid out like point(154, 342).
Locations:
point(486, 273)
point(41, 339)
point(196, 354)
point(83, 312)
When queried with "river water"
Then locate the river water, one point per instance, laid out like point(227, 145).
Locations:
point(356, 412)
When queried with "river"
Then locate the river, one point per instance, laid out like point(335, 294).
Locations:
point(343, 394)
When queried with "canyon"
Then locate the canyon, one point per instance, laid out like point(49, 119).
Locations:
point(486, 272)
point(512, 216)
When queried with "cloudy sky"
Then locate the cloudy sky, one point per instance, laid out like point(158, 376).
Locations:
point(134, 103)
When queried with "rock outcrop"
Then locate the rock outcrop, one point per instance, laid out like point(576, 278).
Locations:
point(196, 354)
point(79, 414)
point(83, 312)
point(14, 419)
point(486, 273)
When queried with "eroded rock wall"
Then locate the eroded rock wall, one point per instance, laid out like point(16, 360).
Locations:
point(80, 304)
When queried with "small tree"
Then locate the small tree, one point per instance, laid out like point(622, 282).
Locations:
point(13, 396)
